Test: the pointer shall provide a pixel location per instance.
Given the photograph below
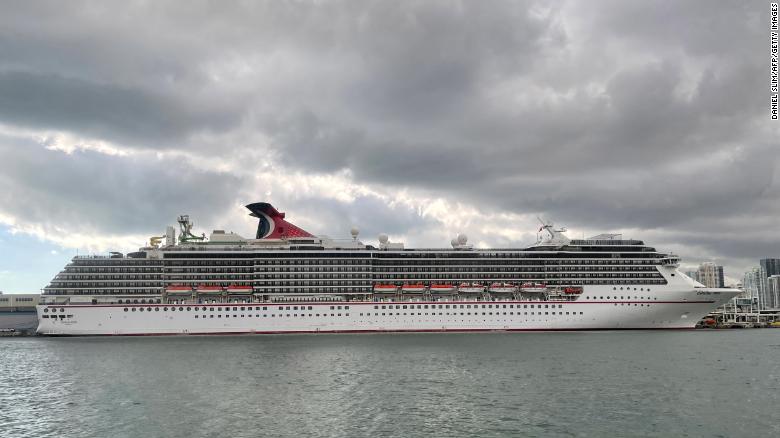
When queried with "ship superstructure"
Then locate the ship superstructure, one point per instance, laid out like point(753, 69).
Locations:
point(602, 282)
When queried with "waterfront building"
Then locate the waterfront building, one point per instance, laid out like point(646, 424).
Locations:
point(754, 281)
point(18, 302)
point(773, 292)
point(710, 274)
point(770, 266)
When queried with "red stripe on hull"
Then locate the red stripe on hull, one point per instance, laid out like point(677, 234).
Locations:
point(306, 332)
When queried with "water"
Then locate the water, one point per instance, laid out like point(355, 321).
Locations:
point(697, 383)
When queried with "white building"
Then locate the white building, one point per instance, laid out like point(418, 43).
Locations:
point(18, 302)
point(710, 274)
point(754, 282)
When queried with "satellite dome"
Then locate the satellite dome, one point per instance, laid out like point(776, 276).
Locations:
point(462, 239)
point(354, 231)
point(383, 238)
point(454, 243)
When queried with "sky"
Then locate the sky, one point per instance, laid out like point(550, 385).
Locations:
point(418, 119)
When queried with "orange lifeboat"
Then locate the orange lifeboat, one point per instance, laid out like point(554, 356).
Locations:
point(385, 288)
point(178, 290)
point(204, 289)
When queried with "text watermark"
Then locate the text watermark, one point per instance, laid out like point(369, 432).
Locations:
point(773, 54)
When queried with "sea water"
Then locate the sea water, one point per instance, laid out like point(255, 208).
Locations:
point(623, 383)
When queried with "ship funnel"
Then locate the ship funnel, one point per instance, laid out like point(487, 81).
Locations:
point(271, 223)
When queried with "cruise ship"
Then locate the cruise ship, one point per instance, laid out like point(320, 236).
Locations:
point(286, 280)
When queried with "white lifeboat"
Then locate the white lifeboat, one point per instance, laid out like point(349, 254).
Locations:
point(502, 288)
point(533, 288)
point(415, 288)
point(471, 288)
point(442, 288)
point(236, 289)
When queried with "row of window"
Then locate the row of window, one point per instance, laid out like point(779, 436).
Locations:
point(79, 291)
point(368, 314)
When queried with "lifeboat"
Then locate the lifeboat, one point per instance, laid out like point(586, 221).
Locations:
point(416, 288)
point(236, 289)
point(204, 289)
point(178, 290)
point(442, 288)
point(533, 288)
point(502, 288)
point(572, 290)
point(471, 288)
point(385, 288)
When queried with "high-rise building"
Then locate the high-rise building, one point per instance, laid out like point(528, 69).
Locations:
point(770, 266)
point(710, 274)
point(773, 292)
point(751, 283)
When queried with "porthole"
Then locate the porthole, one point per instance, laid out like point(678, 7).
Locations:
point(125, 309)
point(134, 309)
point(45, 310)
point(181, 309)
point(148, 309)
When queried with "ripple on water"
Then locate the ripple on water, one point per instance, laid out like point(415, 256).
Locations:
point(543, 384)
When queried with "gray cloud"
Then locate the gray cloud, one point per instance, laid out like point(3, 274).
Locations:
point(102, 194)
point(126, 116)
point(602, 115)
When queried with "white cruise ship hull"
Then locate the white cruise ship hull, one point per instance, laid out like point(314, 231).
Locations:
point(672, 310)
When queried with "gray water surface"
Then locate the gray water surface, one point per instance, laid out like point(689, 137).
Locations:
point(694, 383)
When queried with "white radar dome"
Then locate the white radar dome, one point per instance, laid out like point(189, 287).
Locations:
point(383, 238)
point(354, 231)
point(454, 242)
point(462, 239)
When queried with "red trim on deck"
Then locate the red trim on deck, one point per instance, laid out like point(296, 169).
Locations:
point(370, 303)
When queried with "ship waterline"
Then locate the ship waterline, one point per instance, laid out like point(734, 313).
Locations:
point(289, 281)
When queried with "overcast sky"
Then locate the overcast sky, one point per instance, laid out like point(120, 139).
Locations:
point(417, 119)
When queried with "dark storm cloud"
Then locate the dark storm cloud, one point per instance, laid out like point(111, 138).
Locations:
point(125, 116)
point(599, 114)
point(97, 193)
